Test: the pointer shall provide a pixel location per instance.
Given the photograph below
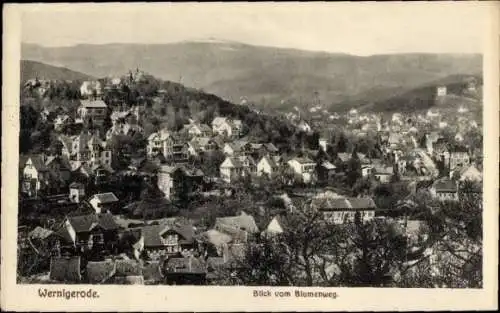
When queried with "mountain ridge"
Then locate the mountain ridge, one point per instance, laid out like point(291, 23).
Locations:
point(263, 75)
point(32, 69)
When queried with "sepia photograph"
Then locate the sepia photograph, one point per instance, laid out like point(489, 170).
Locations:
point(253, 145)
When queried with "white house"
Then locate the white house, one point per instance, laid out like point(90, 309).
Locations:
point(86, 149)
point(35, 175)
point(228, 127)
point(267, 166)
point(172, 146)
point(88, 88)
point(441, 91)
point(198, 130)
point(303, 167)
point(383, 173)
point(102, 202)
point(155, 142)
point(366, 170)
point(432, 113)
point(340, 210)
point(93, 109)
point(445, 190)
point(231, 169)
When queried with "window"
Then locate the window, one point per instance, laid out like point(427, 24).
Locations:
point(97, 238)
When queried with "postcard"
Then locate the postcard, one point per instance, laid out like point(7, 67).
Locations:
point(250, 156)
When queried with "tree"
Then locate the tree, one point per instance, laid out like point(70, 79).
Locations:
point(377, 251)
point(353, 168)
point(295, 258)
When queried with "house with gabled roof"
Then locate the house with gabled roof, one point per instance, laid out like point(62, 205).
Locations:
point(227, 126)
point(96, 110)
point(65, 269)
point(303, 167)
point(197, 130)
point(340, 209)
point(239, 227)
point(445, 190)
point(383, 173)
point(85, 149)
point(231, 169)
point(178, 179)
point(267, 165)
point(91, 231)
point(158, 241)
point(103, 202)
point(173, 146)
point(36, 175)
point(458, 156)
point(276, 226)
point(186, 270)
point(91, 88)
point(326, 170)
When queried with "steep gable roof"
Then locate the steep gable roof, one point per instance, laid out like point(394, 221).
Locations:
point(218, 121)
point(445, 185)
point(241, 222)
point(84, 223)
point(269, 161)
point(93, 104)
point(303, 160)
point(65, 269)
point(107, 197)
point(38, 163)
point(186, 265)
point(100, 272)
point(231, 163)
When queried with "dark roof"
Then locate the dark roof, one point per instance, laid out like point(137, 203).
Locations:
point(152, 271)
point(344, 203)
point(128, 268)
point(65, 269)
point(152, 234)
point(185, 265)
point(458, 148)
point(445, 185)
point(129, 280)
point(85, 223)
point(362, 203)
point(38, 163)
point(99, 272)
point(22, 160)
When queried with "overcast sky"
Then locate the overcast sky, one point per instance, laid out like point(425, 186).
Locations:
point(363, 29)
